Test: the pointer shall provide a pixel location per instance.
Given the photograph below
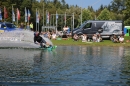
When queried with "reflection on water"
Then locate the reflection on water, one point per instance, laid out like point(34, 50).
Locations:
point(67, 65)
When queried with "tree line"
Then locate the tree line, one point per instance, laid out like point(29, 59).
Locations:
point(116, 10)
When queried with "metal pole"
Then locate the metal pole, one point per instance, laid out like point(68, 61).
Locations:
point(36, 19)
point(65, 18)
point(43, 14)
point(71, 24)
point(56, 21)
point(53, 20)
point(12, 13)
point(28, 17)
point(50, 19)
point(46, 17)
point(95, 17)
point(17, 16)
point(62, 20)
point(73, 21)
point(81, 15)
point(38, 22)
point(4, 13)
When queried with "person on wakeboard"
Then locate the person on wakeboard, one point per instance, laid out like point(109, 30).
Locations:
point(39, 40)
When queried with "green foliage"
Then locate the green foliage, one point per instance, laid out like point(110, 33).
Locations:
point(118, 5)
point(104, 15)
point(87, 15)
point(116, 10)
point(127, 13)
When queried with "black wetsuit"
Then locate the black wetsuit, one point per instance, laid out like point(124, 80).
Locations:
point(39, 39)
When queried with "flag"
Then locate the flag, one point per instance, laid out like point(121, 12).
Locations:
point(47, 17)
point(5, 13)
point(29, 15)
point(0, 14)
point(25, 15)
point(13, 16)
point(37, 16)
point(18, 14)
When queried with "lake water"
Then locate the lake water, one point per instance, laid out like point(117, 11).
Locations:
point(66, 66)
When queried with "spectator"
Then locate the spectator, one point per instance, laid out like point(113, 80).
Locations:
point(22, 25)
point(59, 33)
point(127, 41)
point(99, 38)
point(68, 31)
point(121, 39)
point(64, 36)
point(31, 26)
point(114, 39)
point(28, 27)
point(94, 38)
point(84, 38)
point(75, 37)
point(54, 36)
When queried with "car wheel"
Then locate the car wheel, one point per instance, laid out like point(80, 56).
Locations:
point(111, 37)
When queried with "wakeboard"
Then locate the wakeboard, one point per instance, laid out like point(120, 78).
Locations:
point(49, 48)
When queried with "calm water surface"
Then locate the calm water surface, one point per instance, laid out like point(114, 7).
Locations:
point(66, 66)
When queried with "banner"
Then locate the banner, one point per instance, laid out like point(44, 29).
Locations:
point(18, 14)
point(5, 13)
point(29, 15)
point(37, 16)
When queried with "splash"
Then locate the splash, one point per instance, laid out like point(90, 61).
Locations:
point(17, 38)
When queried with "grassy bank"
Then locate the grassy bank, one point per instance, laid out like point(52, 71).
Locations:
point(104, 43)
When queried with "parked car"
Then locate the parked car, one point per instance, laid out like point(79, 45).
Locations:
point(6, 26)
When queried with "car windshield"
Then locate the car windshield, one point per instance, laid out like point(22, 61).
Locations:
point(10, 25)
point(83, 25)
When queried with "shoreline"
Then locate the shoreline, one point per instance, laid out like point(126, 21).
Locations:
point(70, 42)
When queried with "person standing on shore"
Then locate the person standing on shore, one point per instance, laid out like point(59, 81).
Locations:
point(31, 26)
point(28, 26)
